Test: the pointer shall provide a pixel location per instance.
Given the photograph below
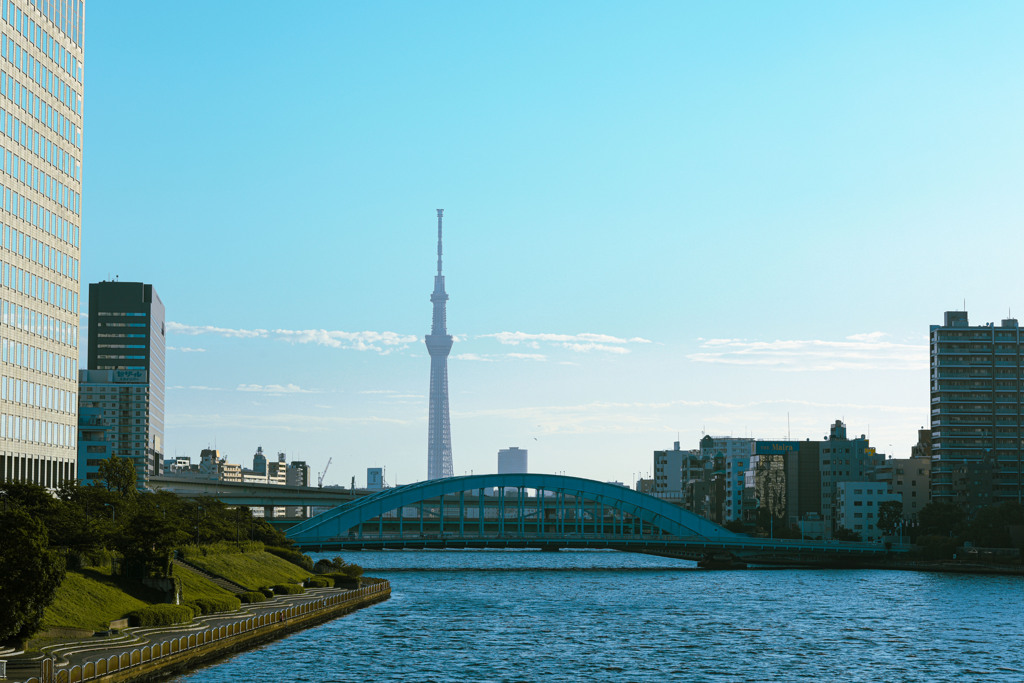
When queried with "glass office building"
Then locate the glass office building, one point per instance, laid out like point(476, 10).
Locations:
point(41, 76)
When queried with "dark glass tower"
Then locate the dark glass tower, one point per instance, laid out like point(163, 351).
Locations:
point(439, 344)
point(126, 337)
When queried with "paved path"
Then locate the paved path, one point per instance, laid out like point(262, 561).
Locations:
point(80, 651)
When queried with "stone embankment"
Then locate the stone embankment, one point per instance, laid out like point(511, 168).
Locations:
point(152, 654)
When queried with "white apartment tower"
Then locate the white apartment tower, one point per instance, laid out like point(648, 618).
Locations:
point(41, 76)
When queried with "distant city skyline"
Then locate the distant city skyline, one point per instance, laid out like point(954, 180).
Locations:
point(673, 219)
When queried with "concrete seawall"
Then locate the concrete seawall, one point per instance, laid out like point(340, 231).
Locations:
point(160, 657)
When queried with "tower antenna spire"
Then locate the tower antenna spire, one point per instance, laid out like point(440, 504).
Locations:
point(440, 214)
point(439, 344)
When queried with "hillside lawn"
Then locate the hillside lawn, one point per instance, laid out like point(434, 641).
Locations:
point(252, 570)
point(195, 586)
point(90, 599)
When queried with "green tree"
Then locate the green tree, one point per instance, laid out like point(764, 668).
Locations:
point(990, 527)
point(118, 474)
point(29, 572)
point(941, 519)
point(890, 512)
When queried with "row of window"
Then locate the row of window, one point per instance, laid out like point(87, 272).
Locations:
point(66, 15)
point(40, 109)
point(55, 225)
point(29, 429)
point(38, 252)
point(39, 216)
point(37, 71)
point(45, 432)
point(34, 358)
point(25, 135)
point(37, 287)
point(34, 322)
point(37, 395)
point(36, 178)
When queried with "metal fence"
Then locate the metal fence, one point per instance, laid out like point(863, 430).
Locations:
point(51, 672)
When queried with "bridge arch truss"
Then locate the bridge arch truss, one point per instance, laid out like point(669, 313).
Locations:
point(562, 509)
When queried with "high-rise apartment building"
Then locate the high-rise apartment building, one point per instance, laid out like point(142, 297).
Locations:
point(125, 376)
point(41, 75)
point(977, 423)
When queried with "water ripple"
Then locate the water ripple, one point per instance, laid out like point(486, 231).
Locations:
point(500, 616)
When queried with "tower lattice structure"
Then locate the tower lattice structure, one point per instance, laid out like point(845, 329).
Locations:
point(439, 344)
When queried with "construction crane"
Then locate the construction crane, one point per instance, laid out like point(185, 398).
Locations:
point(320, 477)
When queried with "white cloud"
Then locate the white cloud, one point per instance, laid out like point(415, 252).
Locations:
point(858, 352)
point(194, 330)
point(490, 358)
point(580, 343)
point(185, 349)
point(280, 422)
point(274, 389)
point(382, 342)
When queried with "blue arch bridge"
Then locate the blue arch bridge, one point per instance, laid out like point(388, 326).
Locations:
point(551, 512)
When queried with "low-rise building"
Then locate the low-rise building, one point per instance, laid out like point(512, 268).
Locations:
point(910, 479)
point(857, 505)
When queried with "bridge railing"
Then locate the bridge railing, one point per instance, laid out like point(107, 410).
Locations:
point(744, 544)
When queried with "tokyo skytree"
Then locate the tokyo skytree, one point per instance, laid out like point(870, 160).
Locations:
point(439, 344)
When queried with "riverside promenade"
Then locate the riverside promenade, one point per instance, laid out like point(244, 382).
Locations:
point(138, 654)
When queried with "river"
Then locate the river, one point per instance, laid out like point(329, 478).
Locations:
point(603, 616)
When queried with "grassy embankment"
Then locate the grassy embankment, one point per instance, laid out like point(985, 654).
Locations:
point(91, 598)
point(252, 570)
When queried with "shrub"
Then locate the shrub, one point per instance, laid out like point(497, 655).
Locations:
point(220, 548)
point(335, 566)
point(293, 556)
point(343, 581)
point(288, 589)
point(212, 605)
point(251, 596)
point(319, 582)
point(268, 592)
point(348, 571)
point(162, 615)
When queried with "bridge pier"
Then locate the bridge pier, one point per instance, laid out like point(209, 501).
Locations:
point(720, 560)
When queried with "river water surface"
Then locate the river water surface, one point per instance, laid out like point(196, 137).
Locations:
point(530, 616)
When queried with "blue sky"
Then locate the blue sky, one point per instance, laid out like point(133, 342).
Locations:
point(660, 218)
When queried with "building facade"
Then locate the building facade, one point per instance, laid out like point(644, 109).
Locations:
point(119, 401)
point(513, 460)
point(977, 424)
point(909, 478)
point(736, 453)
point(842, 459)
point(127, 345)
point(41, 76)
point(857, 504)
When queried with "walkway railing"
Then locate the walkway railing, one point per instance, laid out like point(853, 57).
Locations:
point(52, 672)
